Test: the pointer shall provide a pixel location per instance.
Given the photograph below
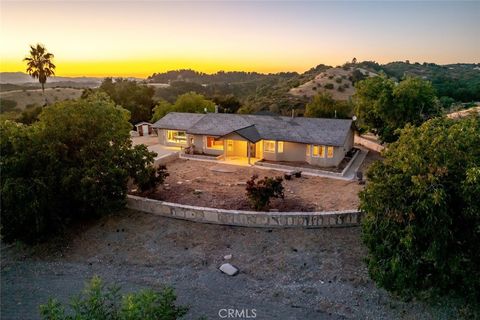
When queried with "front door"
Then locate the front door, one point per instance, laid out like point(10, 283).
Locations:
point(252, 150)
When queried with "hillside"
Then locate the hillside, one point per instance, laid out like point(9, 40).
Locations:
point(23, 78)
point(24, 98)
point(337, 81)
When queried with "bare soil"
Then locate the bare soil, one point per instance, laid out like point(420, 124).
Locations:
point(284, 273)
point(195, 183)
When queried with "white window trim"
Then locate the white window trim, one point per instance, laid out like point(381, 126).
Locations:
point(333, 152)
point(206, 144)
point(274, 146)
point(324, 148)
point(278, 145)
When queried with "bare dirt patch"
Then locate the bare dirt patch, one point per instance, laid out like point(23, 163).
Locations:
point(195, 183)
point(284, 273)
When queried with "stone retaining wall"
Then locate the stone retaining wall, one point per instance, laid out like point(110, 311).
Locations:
point(246, 218)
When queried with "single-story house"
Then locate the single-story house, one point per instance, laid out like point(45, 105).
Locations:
point(144, 128)
point(317, 141)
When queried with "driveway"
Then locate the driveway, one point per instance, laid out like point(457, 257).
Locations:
point(153, 145)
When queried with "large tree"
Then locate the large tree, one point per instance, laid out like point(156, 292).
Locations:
point(187, 102)
point(73, 163)
point(422, 214)
point(383, 106)
point(40, 65)
point(324, 106)
point(135, 97)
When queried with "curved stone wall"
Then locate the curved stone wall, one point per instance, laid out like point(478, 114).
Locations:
point(246, 218)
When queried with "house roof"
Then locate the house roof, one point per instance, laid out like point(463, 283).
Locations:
point(142, 123)
point(256, 127)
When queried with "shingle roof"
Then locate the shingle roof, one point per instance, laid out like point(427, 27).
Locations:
point(255, 127)
point(178, 120)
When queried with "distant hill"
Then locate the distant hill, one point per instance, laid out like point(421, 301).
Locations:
point(23, 78)
point(339, 82)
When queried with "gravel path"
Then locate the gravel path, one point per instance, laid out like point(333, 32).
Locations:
point(284, 274)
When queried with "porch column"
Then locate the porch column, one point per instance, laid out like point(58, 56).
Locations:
point(248, 151)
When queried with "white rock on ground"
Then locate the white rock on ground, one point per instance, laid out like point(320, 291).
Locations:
point(227, 257)
point(227, 268)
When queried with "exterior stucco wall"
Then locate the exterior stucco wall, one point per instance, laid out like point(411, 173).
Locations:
point(338, 155)
point(162, 139)
point(295, 152)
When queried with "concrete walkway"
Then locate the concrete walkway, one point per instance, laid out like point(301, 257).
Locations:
point(352, 171)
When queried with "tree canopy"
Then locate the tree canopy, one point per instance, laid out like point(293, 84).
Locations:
point(324, 106)
point(383, 107)
point(73, 163)
point(187, 102)
point(40, 65)
point(136, 98)
point(422, 214)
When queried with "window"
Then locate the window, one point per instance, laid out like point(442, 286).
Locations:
point(308, 151)
point(212, 143)
point(318, 151)
point(280, 146)
point(230, 145)
point(269, 146)
point(176, 136)
point(330, 152)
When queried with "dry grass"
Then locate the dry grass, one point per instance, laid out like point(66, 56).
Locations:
point(27, 97)
point(329, 76)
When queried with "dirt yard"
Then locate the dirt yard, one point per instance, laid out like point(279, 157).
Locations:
point(204, 184)
point(284, 273)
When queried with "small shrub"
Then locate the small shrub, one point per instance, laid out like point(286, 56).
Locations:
point(260, 192)
point(338, 80)
point(97, 301)
point(328, 86)
point(7, 105)
point(330, 76)
point(151, 177)
point(340, 89)
point(314, 88)
point(344, 77)
point(346, 85)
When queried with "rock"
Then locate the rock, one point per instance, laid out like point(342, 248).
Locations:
point(166, 185)
point(167, 188)
point(197, 191)
point(241, 183)
point(227, 257)
point(134, 190)
point(179, 182)
point(227, 268)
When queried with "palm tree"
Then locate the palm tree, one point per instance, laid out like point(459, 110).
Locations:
point(39, 65)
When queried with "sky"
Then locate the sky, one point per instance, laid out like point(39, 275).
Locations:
point(138, 38)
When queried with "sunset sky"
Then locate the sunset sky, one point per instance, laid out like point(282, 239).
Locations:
point(127, 38)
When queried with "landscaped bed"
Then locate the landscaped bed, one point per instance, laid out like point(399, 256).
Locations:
point(206, 184)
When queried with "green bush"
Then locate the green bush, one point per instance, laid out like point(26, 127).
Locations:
point(422, 211)
point(328, 86)
point(7, 105)
point(74, 163)
point(338, 80)
point(148, 179)
point(323, 105)
point(97, 301)
point(340, 89)
point(260, 192)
